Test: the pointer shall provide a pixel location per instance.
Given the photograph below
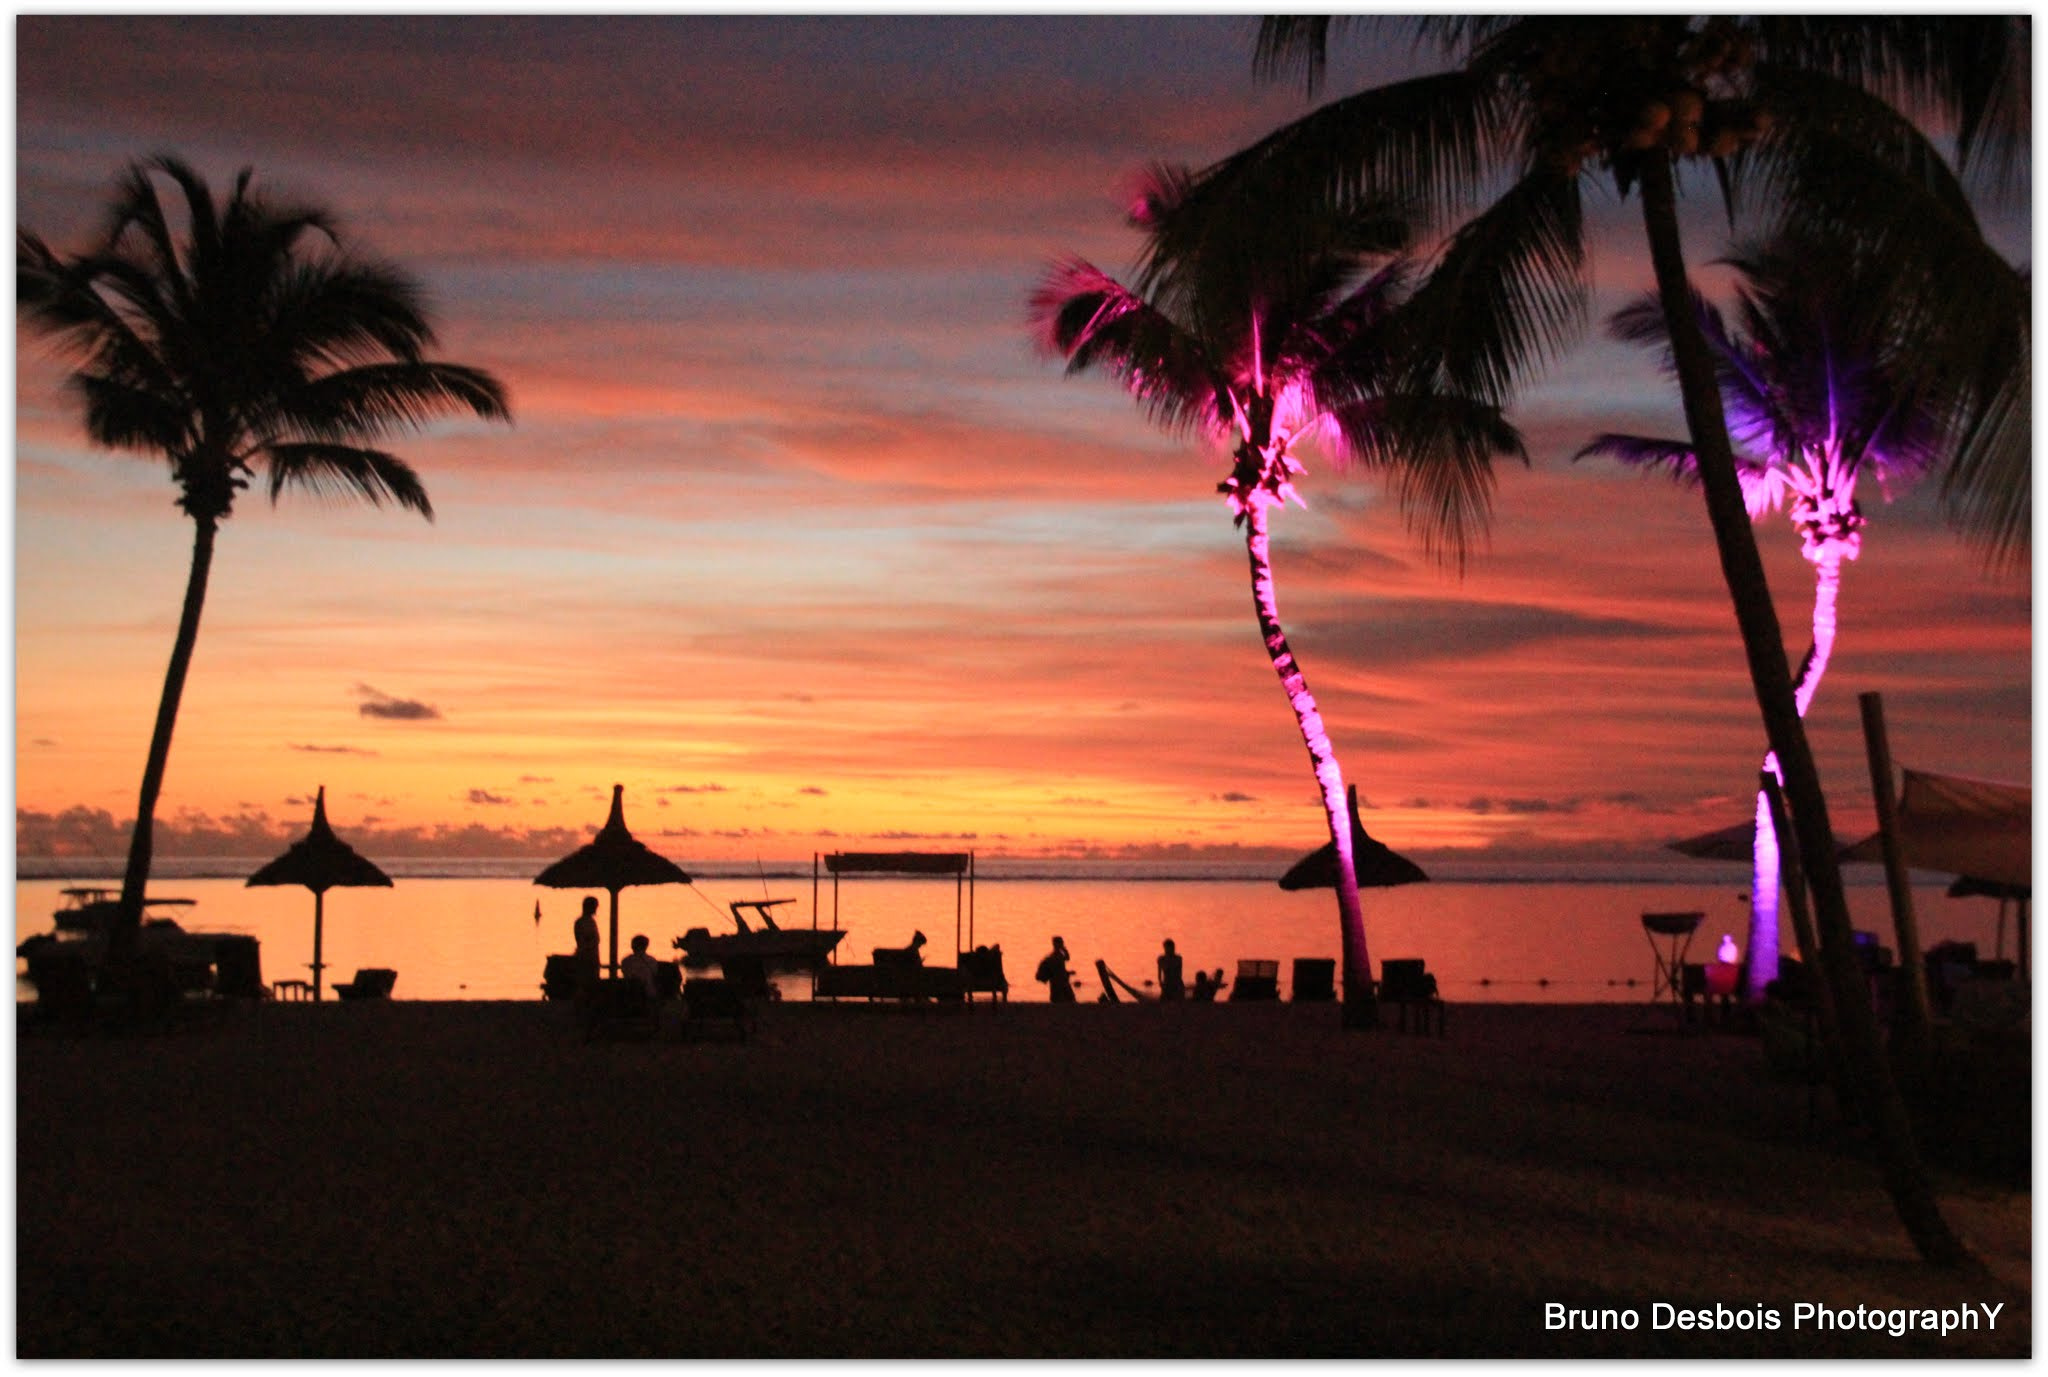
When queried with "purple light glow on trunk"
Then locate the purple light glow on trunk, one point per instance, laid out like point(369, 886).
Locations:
point(1329, 777)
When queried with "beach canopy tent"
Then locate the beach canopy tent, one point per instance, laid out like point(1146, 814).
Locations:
point(320, 861)
point(1970, 887)
point(611, 861)
point(1377, 865)
point(1961, 826)
point(1736, 843)
point(1975, 829)
point(958, 864)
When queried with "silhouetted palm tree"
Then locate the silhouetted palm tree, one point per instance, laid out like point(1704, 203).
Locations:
point(1817, 383)
point(1796, 107)
point(1271, 335)
point(250, 341)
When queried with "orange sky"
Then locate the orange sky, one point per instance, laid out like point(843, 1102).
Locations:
point(796, 537)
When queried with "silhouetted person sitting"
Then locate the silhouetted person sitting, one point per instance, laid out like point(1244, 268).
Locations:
point(1053, 971)
point(1170, 986)
point(1207, 987)
point(640, 966)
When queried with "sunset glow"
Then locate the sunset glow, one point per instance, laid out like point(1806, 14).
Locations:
point(797, 538)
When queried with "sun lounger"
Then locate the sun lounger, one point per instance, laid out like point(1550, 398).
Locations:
point(1406, 985)
point(1315, 980)
point(620, 1009)
point(1256, 980)
point(709, 1001)
point(372, 983)
point(981, 971)
point(894, 975)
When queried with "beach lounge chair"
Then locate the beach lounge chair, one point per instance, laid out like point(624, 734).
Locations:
point(620, 1008)
point(1406, 985)
point(708, 1001)
point(370, 983)
point(982, 972)
point(1315, 980)
point(1256, 980)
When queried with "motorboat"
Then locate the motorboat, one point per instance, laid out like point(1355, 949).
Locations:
point(91, 910)
point(228, 962)
point(766, 943)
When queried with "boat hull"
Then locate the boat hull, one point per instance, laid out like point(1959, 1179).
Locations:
point(794, 946)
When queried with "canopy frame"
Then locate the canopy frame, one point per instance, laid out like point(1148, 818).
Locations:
point(958, 864)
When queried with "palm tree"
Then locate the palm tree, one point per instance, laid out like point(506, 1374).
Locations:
point(1816, 383)
point(252, 341)
point(1796, 107)
point(1271, 336)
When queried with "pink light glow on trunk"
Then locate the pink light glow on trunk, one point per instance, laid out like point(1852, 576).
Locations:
point(1329, 778)
point(1764, 889)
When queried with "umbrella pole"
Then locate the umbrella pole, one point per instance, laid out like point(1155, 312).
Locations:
point(319, 914)
point(615, 935)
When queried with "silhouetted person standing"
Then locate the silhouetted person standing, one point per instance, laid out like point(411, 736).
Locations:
point(586, 946)
point(1053, 971)
point(1170, 986)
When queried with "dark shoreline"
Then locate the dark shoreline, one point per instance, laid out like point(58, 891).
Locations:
point(472, 1179)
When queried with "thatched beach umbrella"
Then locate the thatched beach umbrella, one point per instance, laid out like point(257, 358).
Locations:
point(1736, 843)
point(611, 861)
point(1378, 865)
point(320, 861)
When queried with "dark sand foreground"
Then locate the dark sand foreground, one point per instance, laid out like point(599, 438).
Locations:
point(1227, 1180)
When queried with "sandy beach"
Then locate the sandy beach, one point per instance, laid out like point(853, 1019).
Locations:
point(416, 1179)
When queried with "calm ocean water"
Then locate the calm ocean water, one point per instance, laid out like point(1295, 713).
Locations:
point(466, 929)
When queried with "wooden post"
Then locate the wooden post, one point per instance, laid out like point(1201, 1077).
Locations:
point(1820, 976)
point(319, 897)
point(1913, 970)
point(615, 935)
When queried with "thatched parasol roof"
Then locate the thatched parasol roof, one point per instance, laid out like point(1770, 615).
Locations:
point(1377, 865)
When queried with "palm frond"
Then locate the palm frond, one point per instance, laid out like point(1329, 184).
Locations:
point(1988, 489)
point(1436, 455)
point(324, 469)
point(122, 415)
point(1829, 142)
point(1294, 43)
point(1974, 70)
point(1508, 292)
point(1674, 458)
point(339, 313)
point(1432, 141)
point(1087, 317)
point(380, 399)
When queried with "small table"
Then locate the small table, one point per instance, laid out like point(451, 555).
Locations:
point(295, 990)
point(1670, 936)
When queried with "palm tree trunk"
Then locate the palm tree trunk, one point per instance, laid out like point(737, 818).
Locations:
point(1361, 1009)
point(1766, 867)
point(127, 925)
point(1905, 1175)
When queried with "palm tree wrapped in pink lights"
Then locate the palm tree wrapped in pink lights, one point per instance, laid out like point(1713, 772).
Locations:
point(1273, 334)
point(1815, 396)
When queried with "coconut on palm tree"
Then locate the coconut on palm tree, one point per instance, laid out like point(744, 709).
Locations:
point(1802, 109)
point(1274, 335)
point(241, 340)
point(1818, 385)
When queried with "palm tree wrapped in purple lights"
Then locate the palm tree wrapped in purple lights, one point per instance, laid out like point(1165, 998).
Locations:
point(1815, 398)
point(1270, 334)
